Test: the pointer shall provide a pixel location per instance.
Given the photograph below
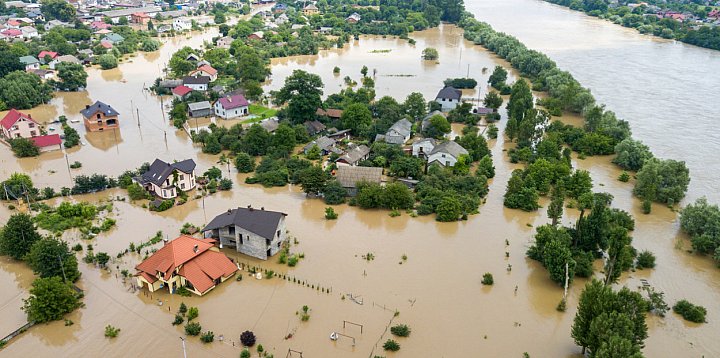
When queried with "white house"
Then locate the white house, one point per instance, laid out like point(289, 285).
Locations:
point(197, 83)
point(181, 24)
point(164, 179)
point(29, 32)
point(229, 107)
point(399, 133)
point(422, 148)
point(205, 70)
point(30, 62)
point(446, 153)
point(449, 98)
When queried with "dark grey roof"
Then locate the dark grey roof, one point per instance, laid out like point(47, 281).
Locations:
point(314, 126)
point(449, 92)
point(159, 171)
point(398, 132)
point(197, 80)
point(197, 106)
point(99, 107)
point(449, 147)
point(258, 221)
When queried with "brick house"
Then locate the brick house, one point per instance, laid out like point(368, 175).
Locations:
point(99, 117)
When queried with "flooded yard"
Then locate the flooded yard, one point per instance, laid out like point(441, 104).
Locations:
point(437, 290)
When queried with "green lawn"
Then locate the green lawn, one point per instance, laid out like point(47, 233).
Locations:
point(260, 112)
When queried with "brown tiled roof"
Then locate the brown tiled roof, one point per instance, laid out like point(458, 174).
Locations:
point(172, 255)
point(349, 176)
point(203, 270)
point(331, 112)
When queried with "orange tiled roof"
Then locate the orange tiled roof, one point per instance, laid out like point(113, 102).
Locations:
point(203, 270)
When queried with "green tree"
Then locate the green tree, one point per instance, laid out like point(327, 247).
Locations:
point(24, 147)
point(50, 299)
point(107, 61)
point(179, 65)
point(493, 100)
point(102, 258)
point(9, 61)
point(249, 65)
point(520, 101)
point(430, 54)
point(497, 79)
point(701, 221)
point(219, 18)
point(256, 140)
point(212, 145)
point(244, 163)
point(302, 91)
point(356, 117)
point(486, 167)
point(50, 257)
point(334, 193)
point(415, 105)
point(449, 209)
point(18, 236)
point(136, 192)
point(397, 196)
point(313, 180)
point(439, 126)
point(283, 140)
point(72, 138)
point(57, 9)
point(664, 181)
point(23, 90)
point(364, 71)
point(407, 167)
point(632, 154)
point(616, 346)
point(73, 76)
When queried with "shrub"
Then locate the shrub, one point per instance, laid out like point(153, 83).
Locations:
point(107, 61)
point(75, 165)
point(111, 332)
point(207, 337)
point(488, 279)
point(247, 338)
point(690, 311)
point(245, 354)
point(400, 330)
point(645, 259)
point(183, 291)
point(193, 329)
point(192, 313)
point(391, 345)
point(292, 261)
point(330, 214)
point(624, 177)
point(23, 147)
point(225, 184)
point(178, 320)
point(646, 206)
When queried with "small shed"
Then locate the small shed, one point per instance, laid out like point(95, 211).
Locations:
point(200, 109)
point(349, 176)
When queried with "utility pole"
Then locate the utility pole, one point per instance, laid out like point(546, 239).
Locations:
point(67, 161)
point(183, 344)
point(62, 268)
point(567, 277)
point(138, 116)
point(162, 108)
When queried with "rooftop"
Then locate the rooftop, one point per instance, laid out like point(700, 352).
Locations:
point(259, 221)
point(350, 176)
point(96, 107)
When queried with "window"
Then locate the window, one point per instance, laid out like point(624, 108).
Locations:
point(443, 155)
point(182, 185)
point(98, 116)
point(267, 242)
point(278, 233)
point(241, 239)
point(231, 230)
point(31, 125)
point(180, 177)
point(33, 133)
point(164, 192)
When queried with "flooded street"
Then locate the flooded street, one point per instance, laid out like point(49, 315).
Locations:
point(437, 291)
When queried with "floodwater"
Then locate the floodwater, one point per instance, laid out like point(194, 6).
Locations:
point(437, 291)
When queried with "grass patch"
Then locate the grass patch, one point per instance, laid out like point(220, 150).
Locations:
point(260, 112)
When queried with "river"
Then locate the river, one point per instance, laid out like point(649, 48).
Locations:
point(437, 290)
point(666, 89)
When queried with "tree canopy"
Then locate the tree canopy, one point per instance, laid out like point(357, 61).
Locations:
point(50, 299)
point(302, 91)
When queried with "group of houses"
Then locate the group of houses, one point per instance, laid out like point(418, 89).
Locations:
point(198, 265)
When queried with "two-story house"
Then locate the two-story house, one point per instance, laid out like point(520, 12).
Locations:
point(446, 153)
point(189, 262)
point(99, 117)
point(449, 98)
point(254, 232)
point(196, 83)
point(229, 107)
point(399, 133)
point(19, 125)
point(165, 179)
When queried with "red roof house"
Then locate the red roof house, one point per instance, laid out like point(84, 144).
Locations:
point(12, 33)
point(47, 142)
point(16, 124)
point(100, 25)
point(205, 70)
point(181, 91)
point(189, 262)
point(44, 53)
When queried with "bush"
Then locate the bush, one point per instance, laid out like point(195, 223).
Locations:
point(76, 164)
point(245, 353)
point(690, 311)
point(247, 338)
point(23, 147)
point(183, 291)
point(225, 184)
point(178, 320)
point(244, 163)
point(292, 261)
point(111, 332)
point(330, 213)
point(107, 61)
point(645, 259)
point(193, 329)
point(391, 345)
point(136, 192)
point(400, 330)
point(192, 313)
point(207, 337)
point(624, 177)
point(646, 206)
point(488, 279)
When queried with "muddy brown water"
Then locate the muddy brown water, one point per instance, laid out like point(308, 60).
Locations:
point(437, 290)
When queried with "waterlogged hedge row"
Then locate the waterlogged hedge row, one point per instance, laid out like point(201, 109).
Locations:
point(664, 181)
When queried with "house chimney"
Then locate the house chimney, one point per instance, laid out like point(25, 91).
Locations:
point(229, 211)
point(262, 208)
point(87, 106)
point(165, 241)
point(195, 248)
point(250, 207)
point(229, 98)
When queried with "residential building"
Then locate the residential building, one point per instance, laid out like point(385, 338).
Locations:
point(234, 106)
point(449, 98)
point(113, 38)
point(200, 109)
point(99, 117)
point(29, 32)
point(399, 133)
point(100, 25)
point(180, 92)
point(224, 42)
point(55, 23)
point(270, 124)
point(197, 83)
point(47, 56)
point(44, 74)
point(16, 124)
point(338, 135)
point(426, 120)
point(31, 63)
point(64, 58)
point(310, 10)
point(325, 144)
point(348, 177)
point(48, 142)
point(254, 232)
point(422, 148)
point(173, 14)
point(330, 113)
point(258, 35)
point(446, 153)
point(205, 70)
point(140, 18)
point(354, 18)
point(189, 262)
point(314, 127)
point(354, 155)
point(181, 24)
point(282, 19)
point(115, 15)
point(165, 179)
point(11, 34)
